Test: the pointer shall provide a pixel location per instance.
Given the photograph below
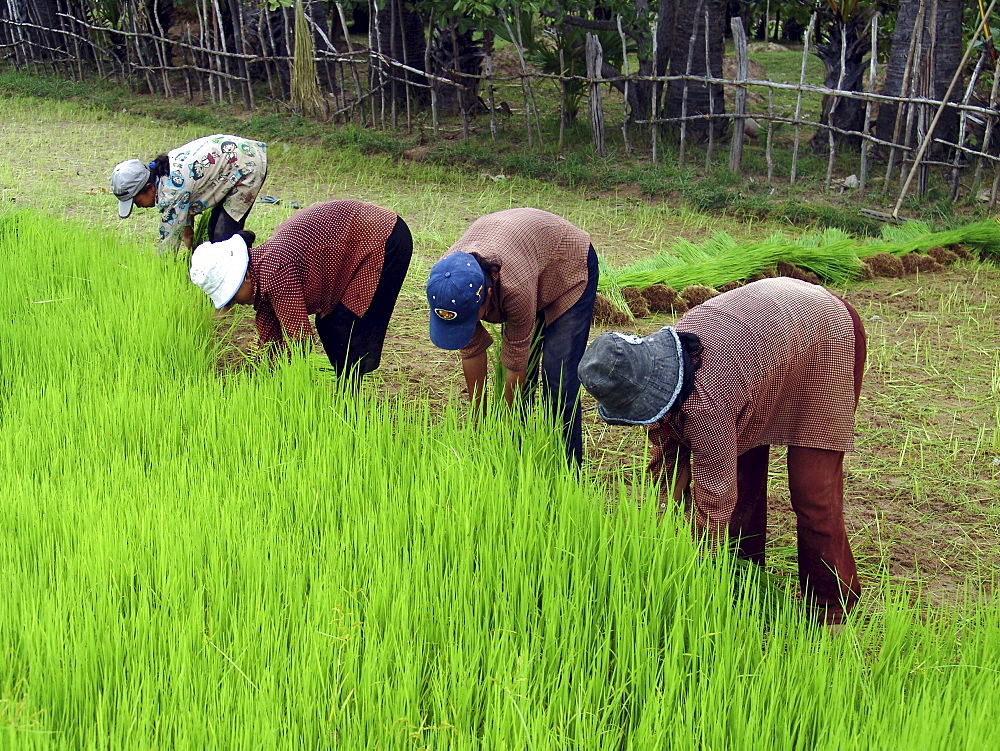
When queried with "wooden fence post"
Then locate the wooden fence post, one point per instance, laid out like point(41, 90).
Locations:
point(798, 100)
point(695, 21)
point(941, 107)
point(831, 123)
point(625, 105)
point(711, 99)
point(742, 68)
point(865, 143)
point(595, 59)
point(904, 90)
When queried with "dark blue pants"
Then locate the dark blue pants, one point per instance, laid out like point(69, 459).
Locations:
point(562, 344)
point(354, 345)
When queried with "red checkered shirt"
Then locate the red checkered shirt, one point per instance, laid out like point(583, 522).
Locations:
point(777, 369)
point(326, 254)
point(543, 269)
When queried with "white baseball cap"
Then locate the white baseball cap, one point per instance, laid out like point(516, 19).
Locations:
point(128, 178)
point(220, 268)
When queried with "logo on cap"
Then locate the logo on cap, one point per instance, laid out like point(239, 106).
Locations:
point(445, 315)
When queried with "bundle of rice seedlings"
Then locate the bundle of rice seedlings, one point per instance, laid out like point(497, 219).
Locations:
point(836, 262)
point(942, 255)
point(918, 237)
point(730, 286)
point(882, 264)
point(783, 268)
point(606, 314)
point(696, 294)
point(636, 302)
point(663, 299)
point(609, 286)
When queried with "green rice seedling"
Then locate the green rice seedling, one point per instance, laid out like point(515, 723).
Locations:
point(836, 262)
point(263, 561)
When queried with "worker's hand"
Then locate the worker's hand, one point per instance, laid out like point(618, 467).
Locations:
point(187, 236)
point(513, 385)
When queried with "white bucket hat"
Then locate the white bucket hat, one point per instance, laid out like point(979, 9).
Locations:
point(219, 268)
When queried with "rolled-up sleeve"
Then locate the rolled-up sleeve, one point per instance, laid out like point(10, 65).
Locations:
point(480, 342)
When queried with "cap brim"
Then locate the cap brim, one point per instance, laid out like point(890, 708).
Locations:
point(125, 208)
point(452, 335)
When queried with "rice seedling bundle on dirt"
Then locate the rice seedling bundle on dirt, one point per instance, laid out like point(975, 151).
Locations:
point(834, 256)
point(260, 562)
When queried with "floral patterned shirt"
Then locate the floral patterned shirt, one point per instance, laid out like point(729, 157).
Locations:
point(220, 170)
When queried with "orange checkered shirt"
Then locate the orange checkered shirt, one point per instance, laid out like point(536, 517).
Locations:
point(777, 369)
point(543, 270)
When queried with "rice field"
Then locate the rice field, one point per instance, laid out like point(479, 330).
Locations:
point(254, 560)
point(257, 562)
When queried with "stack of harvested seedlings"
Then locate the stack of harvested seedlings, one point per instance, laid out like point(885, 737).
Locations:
point(696, 294)
point(606, 314)
point(636, 302)
point(942, 255)
point(664, 299)
point(882, 264)
point(914, 262)
point(784, 268)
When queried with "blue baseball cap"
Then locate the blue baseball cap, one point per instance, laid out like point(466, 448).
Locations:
point(456, 290)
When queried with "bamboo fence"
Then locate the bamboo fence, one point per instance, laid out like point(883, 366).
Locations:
point(232, 52)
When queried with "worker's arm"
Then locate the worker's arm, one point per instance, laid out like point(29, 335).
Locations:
point(475, 369)
point(670, 467)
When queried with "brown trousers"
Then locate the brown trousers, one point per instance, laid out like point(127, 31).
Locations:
point(828, 574)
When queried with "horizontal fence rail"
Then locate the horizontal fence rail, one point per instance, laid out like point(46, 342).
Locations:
point(229, 51)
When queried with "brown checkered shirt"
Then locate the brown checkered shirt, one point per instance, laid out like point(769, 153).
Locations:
point(326, 254)
point(777, 369)
point(543, 269)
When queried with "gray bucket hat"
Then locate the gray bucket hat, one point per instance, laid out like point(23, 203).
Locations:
point(634, 379)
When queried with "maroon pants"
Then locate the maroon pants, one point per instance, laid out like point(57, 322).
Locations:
point(828, 574)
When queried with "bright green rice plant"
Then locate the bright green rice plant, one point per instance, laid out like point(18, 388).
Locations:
point(262, 561)
point(834, 255)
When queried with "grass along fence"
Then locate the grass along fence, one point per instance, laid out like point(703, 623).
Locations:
point(198, 58)
point(195, 561)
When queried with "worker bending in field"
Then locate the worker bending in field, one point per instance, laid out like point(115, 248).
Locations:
point(519, 267)
point(776, 362)
point(343, 261)
point(221, 172)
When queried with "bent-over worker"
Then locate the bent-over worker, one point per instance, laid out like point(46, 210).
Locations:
point(519, 267)
point(775, 362)
point(342, 261)
point(223, 173)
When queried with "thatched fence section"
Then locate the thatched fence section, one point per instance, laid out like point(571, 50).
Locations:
point(227, 51)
